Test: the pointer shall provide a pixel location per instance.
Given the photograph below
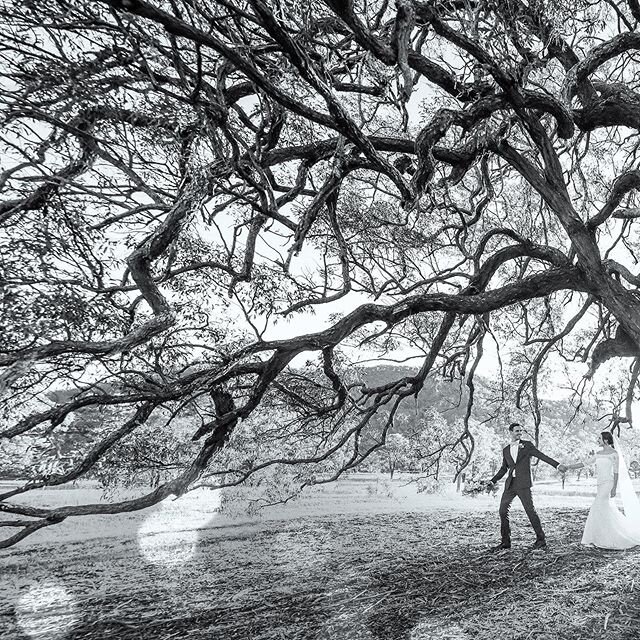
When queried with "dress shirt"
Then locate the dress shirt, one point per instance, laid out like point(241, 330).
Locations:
point(514, 448)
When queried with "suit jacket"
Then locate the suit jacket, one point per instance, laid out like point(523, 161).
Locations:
point(521, 466)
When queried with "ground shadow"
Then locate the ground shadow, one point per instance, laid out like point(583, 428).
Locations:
point(399, 575)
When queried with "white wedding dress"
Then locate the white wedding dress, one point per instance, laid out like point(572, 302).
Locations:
point(606, 526)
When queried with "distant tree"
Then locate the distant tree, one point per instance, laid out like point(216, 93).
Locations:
point(178, 178)
point(396, 454)
point(487, 455)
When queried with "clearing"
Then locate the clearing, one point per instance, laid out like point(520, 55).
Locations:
point(362, 559)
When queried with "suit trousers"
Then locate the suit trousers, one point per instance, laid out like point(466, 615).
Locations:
point(524, 493)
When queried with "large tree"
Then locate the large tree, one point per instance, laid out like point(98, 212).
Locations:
point(179, 175)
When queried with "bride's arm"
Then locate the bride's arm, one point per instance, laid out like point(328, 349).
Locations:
point(580, 465)
point(615, 475)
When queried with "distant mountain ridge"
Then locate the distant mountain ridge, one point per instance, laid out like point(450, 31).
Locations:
point(450, 399)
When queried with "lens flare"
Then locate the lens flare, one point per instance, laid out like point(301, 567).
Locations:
point(169, 536)
point(46, 611)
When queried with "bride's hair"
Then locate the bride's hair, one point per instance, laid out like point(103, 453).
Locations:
point(607, 437)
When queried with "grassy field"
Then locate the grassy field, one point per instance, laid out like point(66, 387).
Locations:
point(361, 559)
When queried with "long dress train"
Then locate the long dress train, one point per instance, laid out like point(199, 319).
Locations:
point(606, 526)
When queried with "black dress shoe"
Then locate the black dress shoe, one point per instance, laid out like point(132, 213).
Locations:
point(540, 544)
point(502, 545)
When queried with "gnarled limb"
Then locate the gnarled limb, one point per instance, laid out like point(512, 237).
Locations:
point(620, 346)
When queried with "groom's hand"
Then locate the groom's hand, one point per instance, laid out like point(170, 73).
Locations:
point(490, 486)
point(562, 468)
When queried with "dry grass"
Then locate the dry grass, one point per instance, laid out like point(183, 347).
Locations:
point(396, 575)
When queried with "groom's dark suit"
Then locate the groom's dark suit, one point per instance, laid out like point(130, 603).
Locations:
point(518, 483)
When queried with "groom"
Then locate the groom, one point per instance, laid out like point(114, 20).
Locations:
point(516, 459)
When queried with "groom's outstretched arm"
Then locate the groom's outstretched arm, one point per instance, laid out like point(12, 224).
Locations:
point(544, 458)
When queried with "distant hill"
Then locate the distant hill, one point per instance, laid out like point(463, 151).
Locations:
point(450, 400)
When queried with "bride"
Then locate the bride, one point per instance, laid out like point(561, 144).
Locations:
point(606, 526)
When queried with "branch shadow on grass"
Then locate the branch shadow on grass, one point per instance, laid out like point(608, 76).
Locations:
point(404, 576)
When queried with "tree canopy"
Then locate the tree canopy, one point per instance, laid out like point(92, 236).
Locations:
point(186, 185)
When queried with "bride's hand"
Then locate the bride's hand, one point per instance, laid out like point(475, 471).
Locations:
point(613, 493)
